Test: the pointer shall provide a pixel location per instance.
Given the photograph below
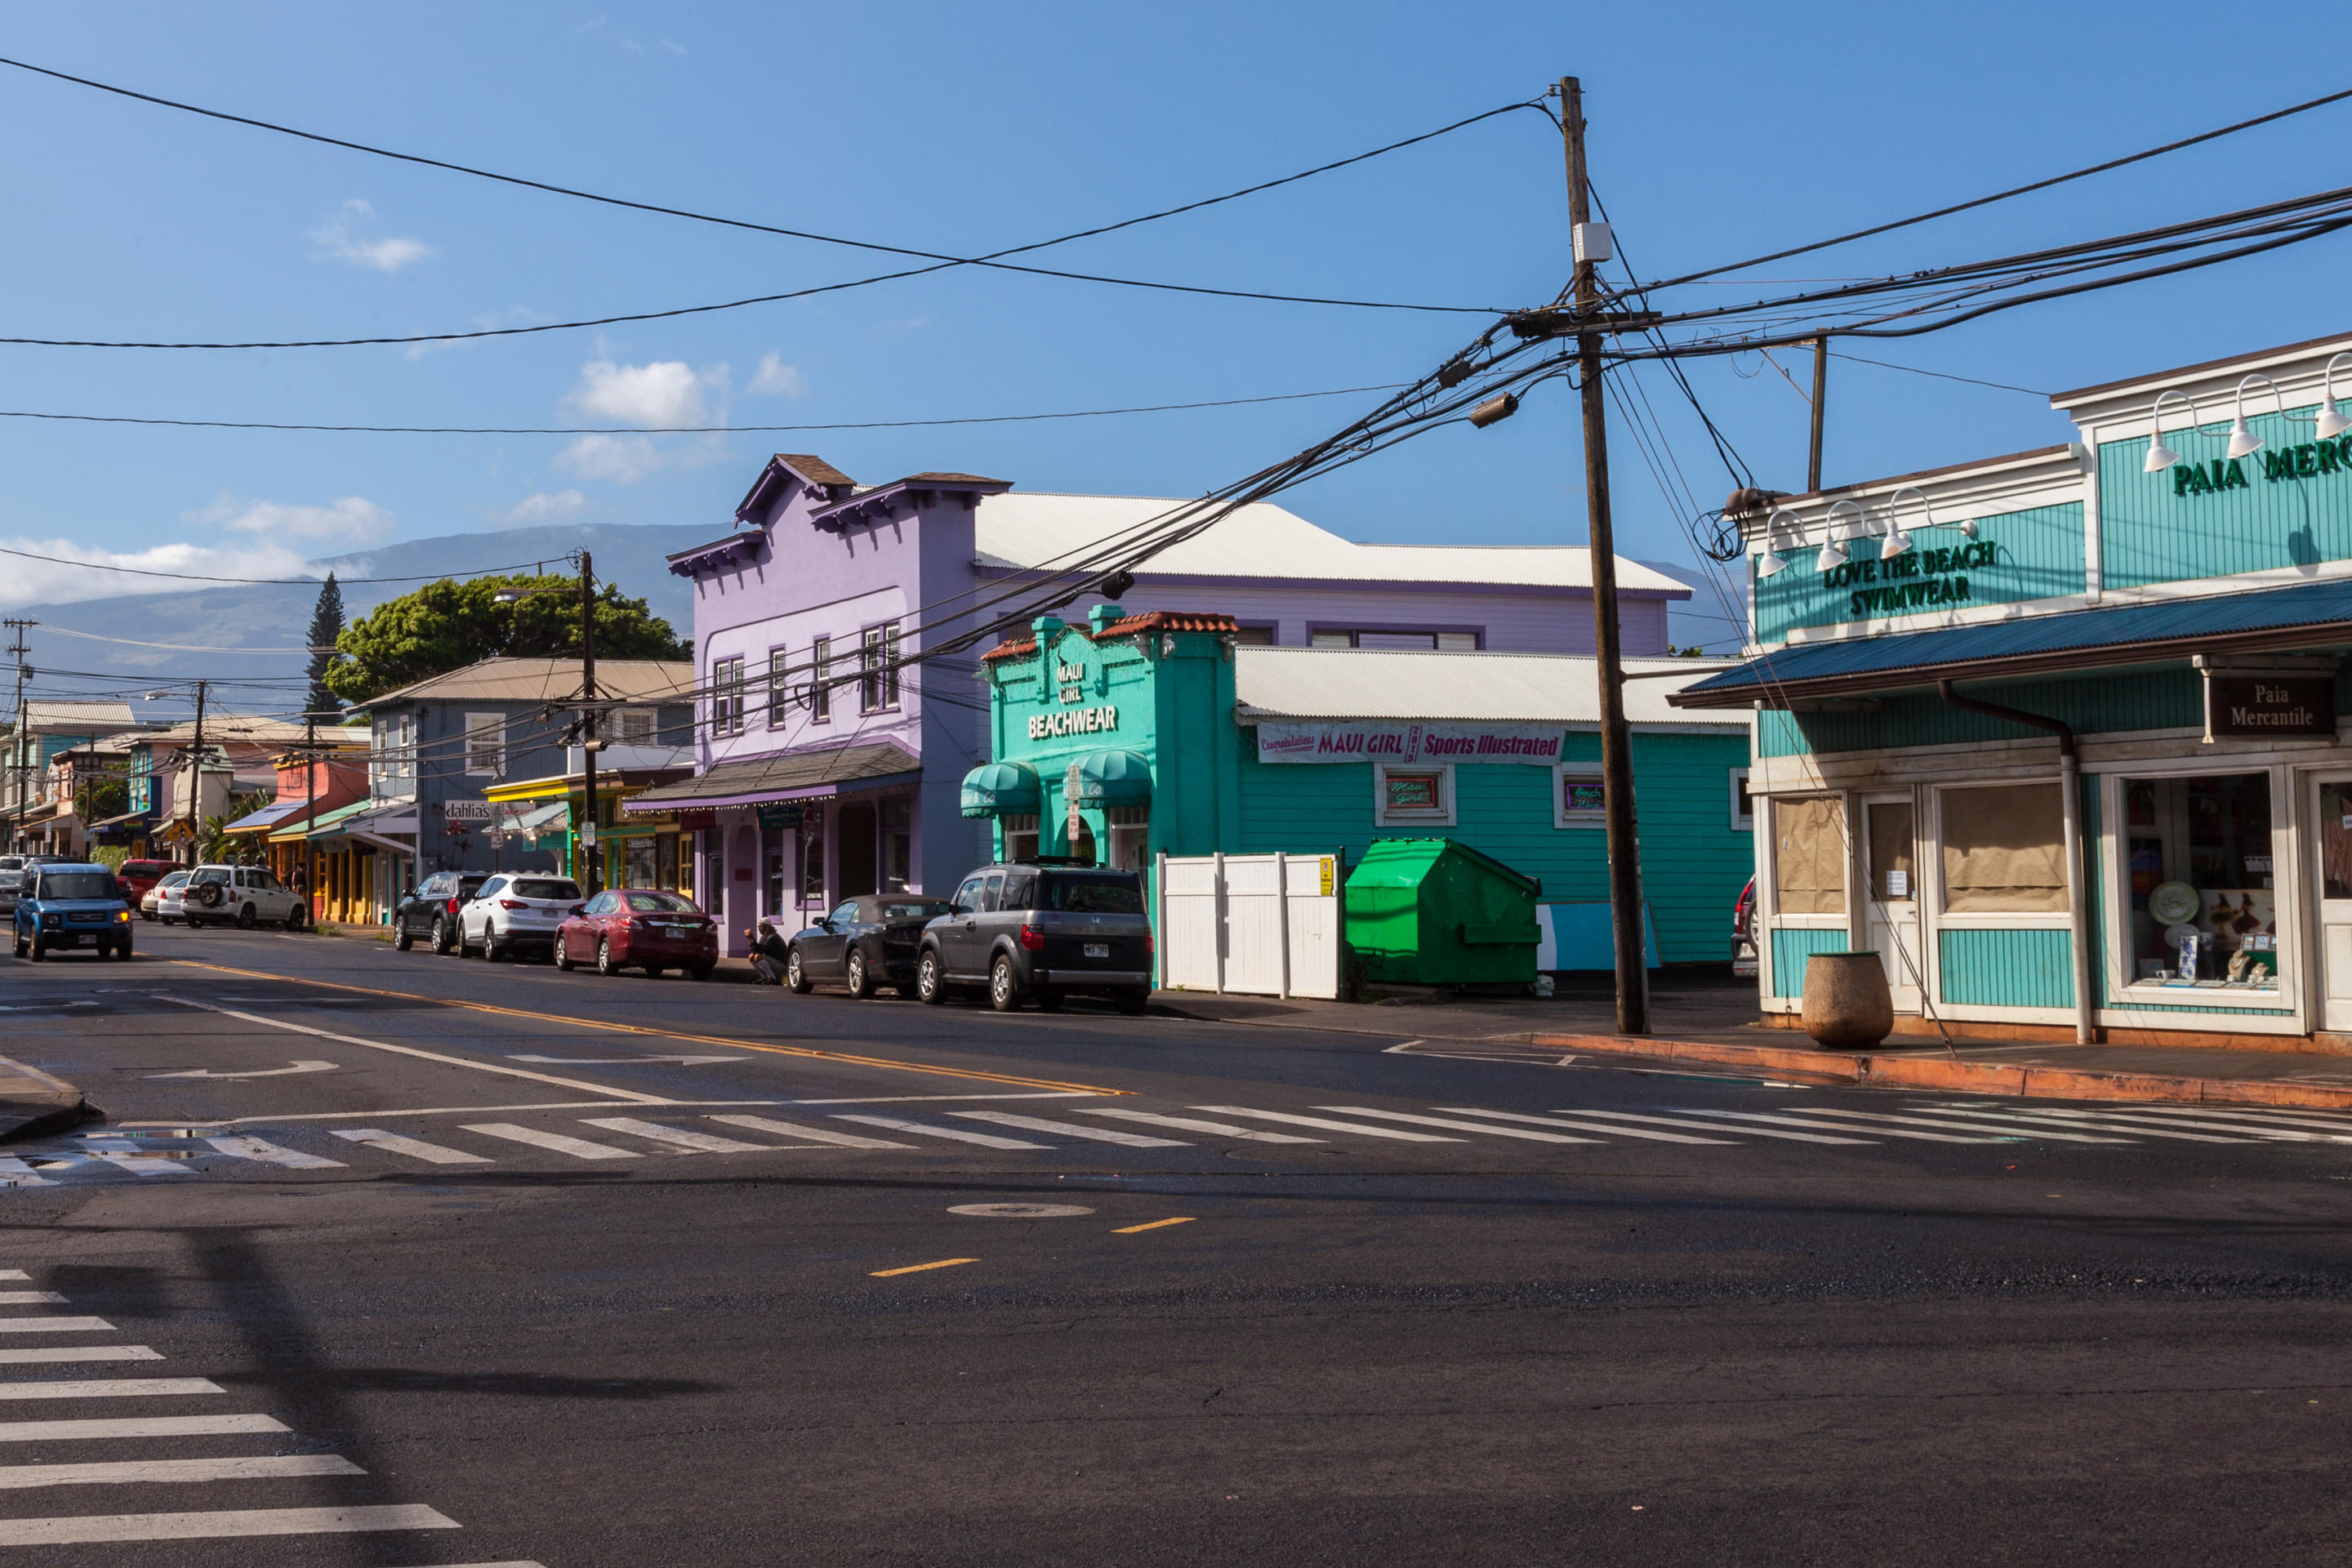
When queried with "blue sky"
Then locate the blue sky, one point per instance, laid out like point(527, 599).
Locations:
point(1719, 130)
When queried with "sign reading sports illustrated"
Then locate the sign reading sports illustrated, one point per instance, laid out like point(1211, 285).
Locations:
point(1382, 741)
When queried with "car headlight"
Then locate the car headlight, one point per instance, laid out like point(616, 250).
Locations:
point(122, 914)
point(52, 920)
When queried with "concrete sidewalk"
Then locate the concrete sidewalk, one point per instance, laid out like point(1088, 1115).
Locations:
point(32, 1103)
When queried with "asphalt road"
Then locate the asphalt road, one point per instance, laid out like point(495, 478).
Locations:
point(426, 1261)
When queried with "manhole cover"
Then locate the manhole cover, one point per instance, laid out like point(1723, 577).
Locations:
point(1021, 1211)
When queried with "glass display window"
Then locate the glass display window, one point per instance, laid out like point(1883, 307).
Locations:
point(2200, 865)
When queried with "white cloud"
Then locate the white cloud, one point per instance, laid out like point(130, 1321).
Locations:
point(546, 507)
point(774, 378)
point(624, 459)
point(340, 238)
point(352, 520)
point(60, 581)
point(665, 393)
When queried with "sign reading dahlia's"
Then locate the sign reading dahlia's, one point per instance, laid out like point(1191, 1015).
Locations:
point(1392, 740)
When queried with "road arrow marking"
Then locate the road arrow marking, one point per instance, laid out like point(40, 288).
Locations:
point(266, 1072)
point(617, 1062)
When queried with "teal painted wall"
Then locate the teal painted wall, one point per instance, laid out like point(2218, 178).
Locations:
point(2148, 533)
point(2037, 555)
point(1792, 945)
point(1979, 968)
point(2148, 700)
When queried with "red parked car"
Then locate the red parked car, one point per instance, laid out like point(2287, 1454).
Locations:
point(139, 878)
point(642, 926)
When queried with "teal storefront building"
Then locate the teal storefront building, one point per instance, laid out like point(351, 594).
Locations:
point(2060, 734)
point(1121, 738)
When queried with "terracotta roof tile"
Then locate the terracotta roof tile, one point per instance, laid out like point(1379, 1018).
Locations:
point(1129, 626)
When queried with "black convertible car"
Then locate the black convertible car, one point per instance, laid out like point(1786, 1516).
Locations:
point(865, 942)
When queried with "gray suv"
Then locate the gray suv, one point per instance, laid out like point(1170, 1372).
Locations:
point(1041, 930)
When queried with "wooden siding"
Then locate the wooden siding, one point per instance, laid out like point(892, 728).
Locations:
point(1982, 968)
point(2040, 556)
point(2100, 705)
point(1791, 946)
point(2149, 534)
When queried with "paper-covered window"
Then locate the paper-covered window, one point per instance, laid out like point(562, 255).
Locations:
point(2004, 851)
point(1809, 855)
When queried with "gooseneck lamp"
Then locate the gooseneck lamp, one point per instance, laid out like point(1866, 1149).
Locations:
point(2244, 442)
point(2331, 422)
point(1769, 561)
point(2159, 455)
point(1833, 547)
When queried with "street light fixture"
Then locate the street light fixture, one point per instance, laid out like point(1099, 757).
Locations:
point(1833, 548)
point(2244, 442)
point(1770, 563)
point(2159, 455)
point(2331, 422)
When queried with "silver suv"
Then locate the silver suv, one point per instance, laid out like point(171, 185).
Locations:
point(247, 896)
point(516, 909)
point(1041, 930)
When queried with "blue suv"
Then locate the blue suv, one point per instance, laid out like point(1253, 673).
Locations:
point(71, 906)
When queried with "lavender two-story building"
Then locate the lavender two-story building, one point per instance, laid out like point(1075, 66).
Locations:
point(827, 766)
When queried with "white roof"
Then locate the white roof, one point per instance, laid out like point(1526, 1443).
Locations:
point(71, 718)
point(1029, 532)
point(1464, 688)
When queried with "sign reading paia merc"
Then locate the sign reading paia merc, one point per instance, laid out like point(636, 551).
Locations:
point(1915, 580)
point(2269, 705)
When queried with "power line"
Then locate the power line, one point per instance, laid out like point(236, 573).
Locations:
point(262, 581)
point(1938, 374)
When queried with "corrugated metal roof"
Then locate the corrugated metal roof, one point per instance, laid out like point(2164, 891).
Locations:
point(1028, 531)
point(550, 680)
point(1468, 687)
point(68, 718)
point(2303, 614)
point(760, 778)
point(227, 729)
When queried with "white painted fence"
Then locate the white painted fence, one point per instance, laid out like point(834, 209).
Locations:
point(1266, 925)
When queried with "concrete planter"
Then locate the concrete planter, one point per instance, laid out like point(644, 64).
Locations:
point(1847, 1004)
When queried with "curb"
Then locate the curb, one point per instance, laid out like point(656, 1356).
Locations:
point(1964, 1077)
point(32, 1103)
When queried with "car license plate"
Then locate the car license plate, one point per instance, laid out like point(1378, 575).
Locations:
point(1097, 950)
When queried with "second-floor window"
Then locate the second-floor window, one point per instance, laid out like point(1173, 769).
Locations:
point(819, 686)
point(630, 727)
point(877, 667)
point(780, 688)
point(485, 742)
point(727, 696)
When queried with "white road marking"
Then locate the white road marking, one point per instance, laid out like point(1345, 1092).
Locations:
point(628, 1094)
point(1071, 1129)
point(78, 1353)
point(1458, 1126)
point(414, 1148)
point(813, 1134)
point(913, 1098)
point(55, 1325)
point(621, 1061)
point(1742, 1116)
point(2260, 1118)
point(2209, 1120)
point(1329, 1126)
point(1193, 1125)
point(28, 1298)
point(266, 1072)
point(273, 1154)
point(383, 1112)
point(1959, 1132)
point(1591, 1126)
point(118, 1472)
point(36, 1007)
point(102, 1527)
point(959, 1135)
point(692, 1142)
point(140, 1164)
point(15, 1173)
point(108, 1388)
point(2037, 1121)
point(578, 1148)
point(135, 1427)
point(14, 1274)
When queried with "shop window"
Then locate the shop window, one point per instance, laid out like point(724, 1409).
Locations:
point(897, 844)
point(1130, 836)
point(637, 863)
point(813, 862)
point(665, 862)
point(1578, 797)
point(2203, 900)
point(2004, 851)
point(1420, 795)
point(1809, 855)
point(776, 859)
point(1020, 836)
point(1743, 805)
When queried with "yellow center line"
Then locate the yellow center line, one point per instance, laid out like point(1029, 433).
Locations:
point(808, 1051)
point(1155, 1225)
point(918, 1268)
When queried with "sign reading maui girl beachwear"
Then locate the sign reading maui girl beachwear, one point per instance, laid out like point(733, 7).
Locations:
point(1369, 740)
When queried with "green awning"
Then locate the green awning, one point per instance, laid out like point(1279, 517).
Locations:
point(1110, 778)
point(1002, 789)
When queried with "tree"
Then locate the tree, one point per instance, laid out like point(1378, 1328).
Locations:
point(448, 625)
point(326, 628)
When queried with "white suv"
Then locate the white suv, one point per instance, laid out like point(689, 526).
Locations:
point(516, 909)
point(247, 896)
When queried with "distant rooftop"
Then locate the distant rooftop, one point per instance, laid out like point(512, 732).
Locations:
point(550, 680)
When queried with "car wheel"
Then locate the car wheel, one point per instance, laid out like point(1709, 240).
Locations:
point(145, 916)
point(123, 948)
point(796, 979)
point(701, 971)
point(562, 955)
point(40, 950)
point(1048, 1001)
point(1130, 999)
point(930, 985)
point(245, 918)
point(298, 917)
point(402, 940)
point(493, 950)
point(604, 964)
point(1004, 986)
point(861, 985)
point(21, 948)
point(440, 935)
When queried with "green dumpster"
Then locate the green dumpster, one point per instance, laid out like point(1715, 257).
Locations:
point(1430, 911)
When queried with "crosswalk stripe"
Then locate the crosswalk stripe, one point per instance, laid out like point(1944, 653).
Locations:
point(1590, 1126)
point(41, 1354)
point(14, 1274)
point(1743, 1117)
point(135, 1427)
point(270, 1153)
point(2041, 1121)
point(108, 1387)
point(55, 1326)
point(1071, 1129)
point(101, 1527)
point(2132, 1121)
point(15, 1173)
point(812, 1134)
point(1956, 1131)
point(2260, 1118)
point(414, 1148)
point(117, 1472)
point(961, 1135)
point(2014, 1131)
point(693, 1142)
point(1522, 1132)
point(578, 1148)
point(1329, 1126)
point(28, 1298)
point(1193, 1125)
point(141, 1165)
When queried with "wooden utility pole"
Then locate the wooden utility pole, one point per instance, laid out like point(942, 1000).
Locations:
point(1625, 921)
point(195, 777)
point(590, 849)
point(16, 774)
point(1821, 402)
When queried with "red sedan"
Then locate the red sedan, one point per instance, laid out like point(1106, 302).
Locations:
point(642, 926)
point(139, 878)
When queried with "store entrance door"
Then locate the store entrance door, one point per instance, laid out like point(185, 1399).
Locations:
point(1891, 908)
point(2332, 878)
